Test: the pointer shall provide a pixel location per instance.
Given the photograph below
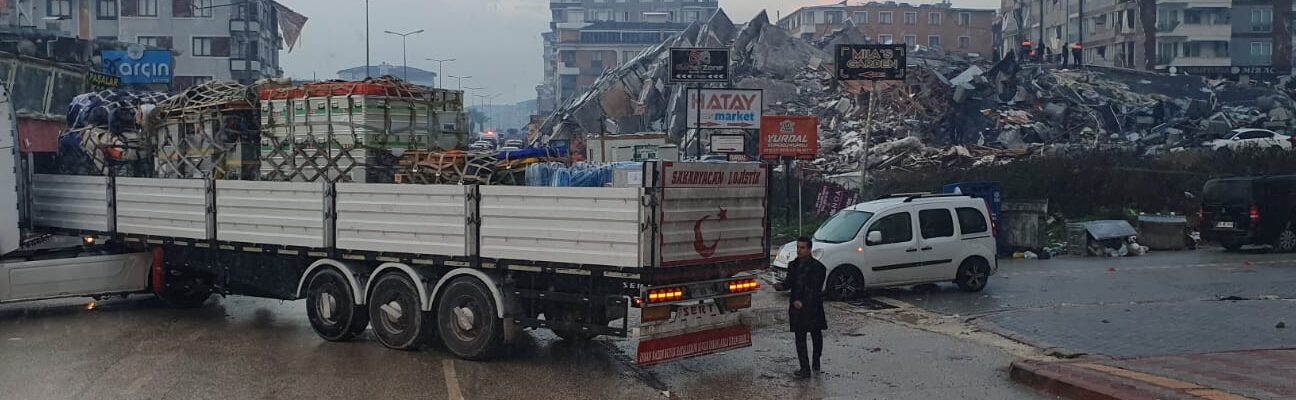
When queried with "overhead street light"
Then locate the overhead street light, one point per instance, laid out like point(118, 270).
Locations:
point(440, 76)
point(461, 79)
point(404, 60)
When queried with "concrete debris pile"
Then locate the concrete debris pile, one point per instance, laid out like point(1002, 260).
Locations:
point(949, 112)
point(635, 96)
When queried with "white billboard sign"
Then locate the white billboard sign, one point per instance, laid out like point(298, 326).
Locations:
point(725, 109)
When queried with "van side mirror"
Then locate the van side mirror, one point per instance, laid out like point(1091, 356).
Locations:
point(874, 237)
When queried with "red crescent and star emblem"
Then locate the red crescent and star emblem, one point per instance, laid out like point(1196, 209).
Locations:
point(699, 243)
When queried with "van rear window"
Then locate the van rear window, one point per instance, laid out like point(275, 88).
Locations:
point(1228, 191)
point(971, 220)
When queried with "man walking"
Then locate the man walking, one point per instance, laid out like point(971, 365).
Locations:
point(805, 309)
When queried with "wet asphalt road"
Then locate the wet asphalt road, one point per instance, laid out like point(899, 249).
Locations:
point(1163, 303)
point(246, 348)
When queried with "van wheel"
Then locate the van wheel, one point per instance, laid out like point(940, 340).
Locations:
point(1286, 241)
point(395, 311)
point(465, 315)
point(973, 275)
point(1231, 245)
point(331, 308)
point(845, 283)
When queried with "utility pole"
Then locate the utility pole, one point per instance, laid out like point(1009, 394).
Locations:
point(368, 71)
point(440, 76)
point(404, 54)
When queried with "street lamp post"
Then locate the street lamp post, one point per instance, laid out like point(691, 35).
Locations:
point(368, 72)
point(461, 79)
point(404, 59)
point(440, 77)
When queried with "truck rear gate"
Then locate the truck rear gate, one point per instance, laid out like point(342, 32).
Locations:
point(576, 256)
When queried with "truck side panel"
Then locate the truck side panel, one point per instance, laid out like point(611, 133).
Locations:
point(81, 276)
point(71, 202)
point(421, 219)
point(597, 226)
point(275, 213)
point(162, 207)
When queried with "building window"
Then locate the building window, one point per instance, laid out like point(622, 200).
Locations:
point(911, 40)
point(211, 47)
point(934, 41)
point(690, 16)
point(202, 8)
point(568, 57)
point(911, 18)
point(965, 18)
point(860, 18)
point(834, 17)
point(965, 42)
point(884, 18)
point(1261, 21)
point(628, 55)
point(163, 42)
point(886, 39)
point(139, 8)
point(106, 9)
point(596, 60)
point(1261, 52)
point(934, 18)
point(58, 8)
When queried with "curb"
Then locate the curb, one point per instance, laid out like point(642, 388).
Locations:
point(1053, 382)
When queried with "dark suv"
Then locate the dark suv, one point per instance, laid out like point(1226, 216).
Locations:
point(1250, 210)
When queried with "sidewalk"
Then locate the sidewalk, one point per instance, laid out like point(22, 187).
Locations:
point(1262, 374)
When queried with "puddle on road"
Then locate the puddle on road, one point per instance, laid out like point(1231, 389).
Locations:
point(871, 304)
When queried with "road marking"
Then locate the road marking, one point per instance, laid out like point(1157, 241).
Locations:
point(452, 381)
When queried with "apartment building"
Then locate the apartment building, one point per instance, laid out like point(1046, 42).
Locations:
point(1218, 38)
point(210, 39)
point(1110, 32)
point(587, 37)
point(959, 30)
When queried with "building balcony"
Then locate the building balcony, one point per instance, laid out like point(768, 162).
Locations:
point(1195, 32)
point(1220, 61)
point(1196, 3)
point(238, 25)
point(244, 65)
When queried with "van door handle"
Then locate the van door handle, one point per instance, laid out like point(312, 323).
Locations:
point(911, 251)
point(926, 248)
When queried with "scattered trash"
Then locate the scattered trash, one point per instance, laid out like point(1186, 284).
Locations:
point(1281, 325)
point(1030, 255)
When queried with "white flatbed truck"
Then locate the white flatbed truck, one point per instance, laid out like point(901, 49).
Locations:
point(470, 266)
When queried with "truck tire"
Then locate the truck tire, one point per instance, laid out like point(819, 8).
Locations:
point(466, 319)
point(331, 308)
point(395, 312)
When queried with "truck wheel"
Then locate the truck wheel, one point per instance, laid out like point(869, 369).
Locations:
point(1286, 240)
point(466, 319)
point(331, 308)
point(395, 312)
point(973, 275)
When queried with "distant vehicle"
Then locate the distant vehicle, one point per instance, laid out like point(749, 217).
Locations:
point(903, 240)
point(514, 143)
point(1250, 211)
point(509, 148)
point(1253, 138)
point(481, 145)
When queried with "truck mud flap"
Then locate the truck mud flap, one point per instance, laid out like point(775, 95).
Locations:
point(692, 330)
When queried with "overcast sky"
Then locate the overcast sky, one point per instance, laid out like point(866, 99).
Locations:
point(497, 42)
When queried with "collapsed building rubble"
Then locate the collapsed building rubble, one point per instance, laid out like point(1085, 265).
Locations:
point(950, 111)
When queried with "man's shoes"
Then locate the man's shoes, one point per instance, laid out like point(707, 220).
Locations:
point(802, 373)
point(815, 367)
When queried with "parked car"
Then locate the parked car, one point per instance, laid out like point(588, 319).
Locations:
point(1253, 138)
point(514, 143)
point(903, 240)
point(481, 145)
point(1250, 211)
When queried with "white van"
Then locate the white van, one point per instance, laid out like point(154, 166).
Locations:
point(903, 240)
